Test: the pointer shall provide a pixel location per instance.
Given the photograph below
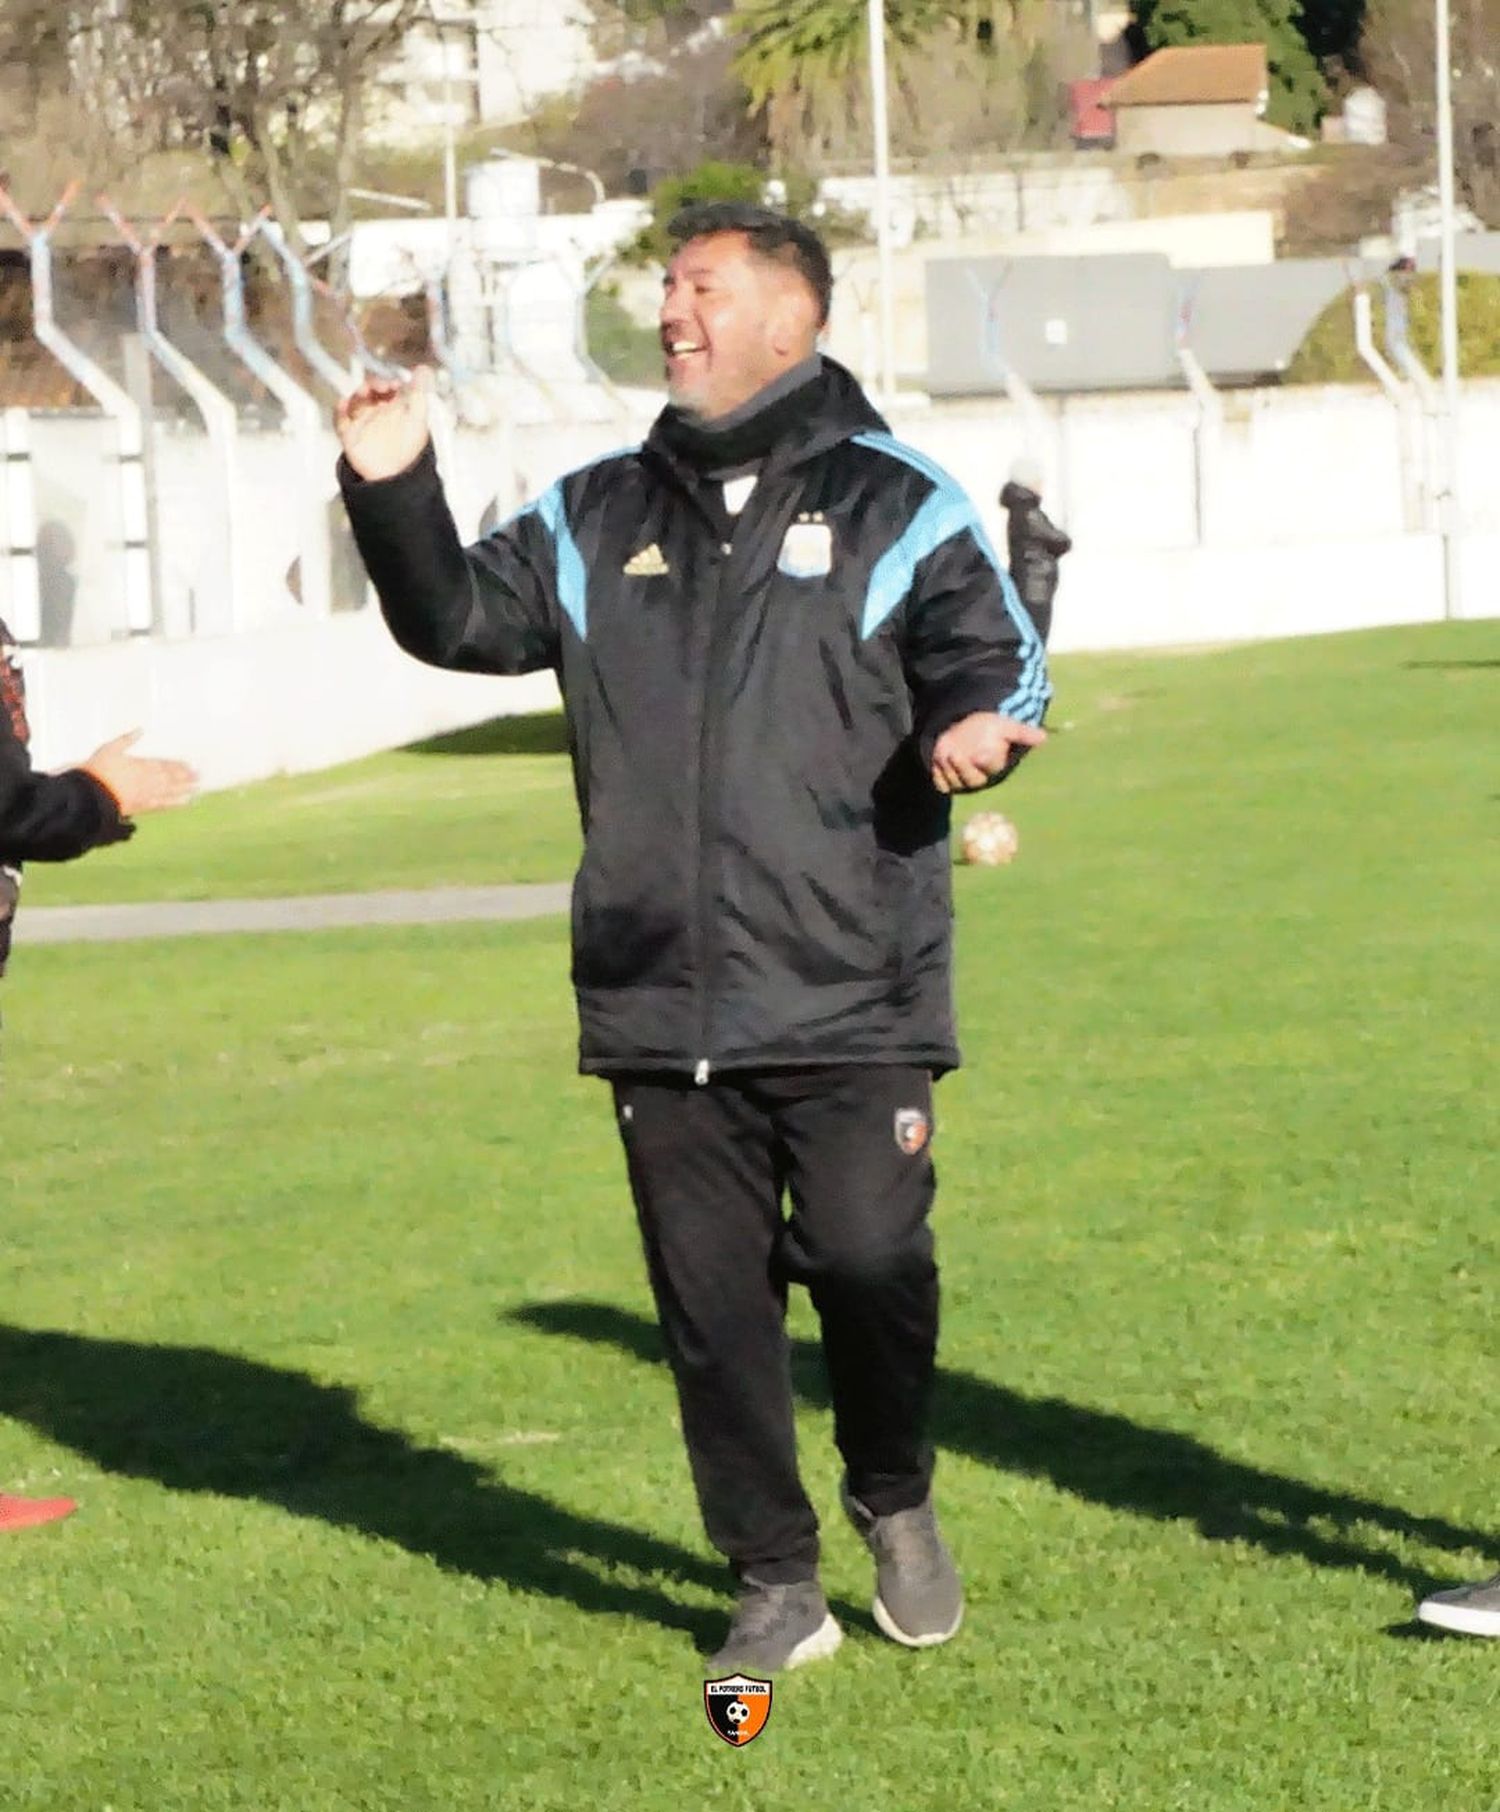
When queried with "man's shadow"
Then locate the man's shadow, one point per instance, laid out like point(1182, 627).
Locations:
point(1453, 664)
point(198, 1420)
point(1102, 1458)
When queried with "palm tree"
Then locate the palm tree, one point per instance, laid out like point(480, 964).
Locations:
point(803, 61)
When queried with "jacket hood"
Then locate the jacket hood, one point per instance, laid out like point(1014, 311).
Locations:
point(1018, 497)
point(842, 410)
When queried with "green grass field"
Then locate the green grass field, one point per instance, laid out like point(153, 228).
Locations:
point(441, 813)
point(322, 1295)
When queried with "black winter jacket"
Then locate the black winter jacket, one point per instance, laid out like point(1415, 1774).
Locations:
point(43, 817)
point(752, 711)
point(1035, 547)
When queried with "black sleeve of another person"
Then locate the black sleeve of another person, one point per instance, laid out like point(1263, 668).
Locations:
point(51, 817)
point(1046, 534)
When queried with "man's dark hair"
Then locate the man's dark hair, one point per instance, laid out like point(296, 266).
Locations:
point(771, 235)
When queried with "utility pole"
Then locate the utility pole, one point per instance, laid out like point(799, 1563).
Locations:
point(882, 132)
point(1452, 526)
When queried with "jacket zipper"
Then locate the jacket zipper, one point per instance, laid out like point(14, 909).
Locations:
point(708, 791)
point(703, 1066)
point(703, 643)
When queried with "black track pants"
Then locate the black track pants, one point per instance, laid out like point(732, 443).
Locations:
point(709, 1166)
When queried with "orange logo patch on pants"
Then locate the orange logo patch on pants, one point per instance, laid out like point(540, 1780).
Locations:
point(738, 1707)
point(913, 1129)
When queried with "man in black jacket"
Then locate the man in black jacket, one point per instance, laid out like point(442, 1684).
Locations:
point(783, 639)
point(52, 818)
point(1035, 544)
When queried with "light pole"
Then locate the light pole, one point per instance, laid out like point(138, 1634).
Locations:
point(439, 26)
point(1452, 526)
point(882, 131)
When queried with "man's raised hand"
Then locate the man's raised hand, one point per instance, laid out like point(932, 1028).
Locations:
point(382, 426)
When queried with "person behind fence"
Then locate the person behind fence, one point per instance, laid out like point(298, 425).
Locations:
point(783, 642)
point(1035, 544)
point(53, 818)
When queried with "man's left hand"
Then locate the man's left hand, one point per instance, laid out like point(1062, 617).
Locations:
point(969, 754)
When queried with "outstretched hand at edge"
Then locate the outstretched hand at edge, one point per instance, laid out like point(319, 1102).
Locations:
point(140, 783)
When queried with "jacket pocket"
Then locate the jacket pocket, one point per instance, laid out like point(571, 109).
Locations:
point(921, 914)
point(897, 900)
point(622, 938)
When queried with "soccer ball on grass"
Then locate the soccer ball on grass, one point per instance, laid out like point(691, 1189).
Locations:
point(989, 840)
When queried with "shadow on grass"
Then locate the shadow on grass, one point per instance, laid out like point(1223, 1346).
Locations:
point(1454, 663)
point(531, 733)
point(1101, 1458)
point(198, 1420)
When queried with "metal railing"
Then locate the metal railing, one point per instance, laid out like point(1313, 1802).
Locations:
point(110, 396)
point(183, 546)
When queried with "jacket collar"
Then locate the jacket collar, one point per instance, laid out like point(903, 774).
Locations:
point(808, 421)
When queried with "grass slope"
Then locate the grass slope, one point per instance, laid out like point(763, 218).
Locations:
point(1329, 355)
point(481, 806)
point(322, 1294)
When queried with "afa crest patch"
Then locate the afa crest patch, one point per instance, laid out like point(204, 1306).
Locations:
point(806, 550)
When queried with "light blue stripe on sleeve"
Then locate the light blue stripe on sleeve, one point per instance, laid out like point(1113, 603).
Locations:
point(572, 580)
point(1033, 689)
point(940, 518)
point(572, 576)
point(946, 513)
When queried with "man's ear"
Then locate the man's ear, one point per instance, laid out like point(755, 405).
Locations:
point(792, 319)
point(781, 325)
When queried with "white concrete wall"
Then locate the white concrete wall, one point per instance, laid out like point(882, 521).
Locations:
point(1287, 520)
point(1290, 522)
point(272, 701)
point(1289, 466)
point(1207, 595)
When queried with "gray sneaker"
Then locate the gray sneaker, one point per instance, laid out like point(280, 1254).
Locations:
point(919, 1601)
point(776, 1627)
point(1472, 1610)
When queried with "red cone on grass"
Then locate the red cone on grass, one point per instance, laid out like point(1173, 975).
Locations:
point(27, 1512)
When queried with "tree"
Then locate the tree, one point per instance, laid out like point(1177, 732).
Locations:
point(1345, 197)
point(273, 92)
point(1329, 356)
point(963, 74)
point(653, 27)
point(633, 133)
point(812, 52)
point(1397, 53)
point(1331, 29)
point(1299, 94)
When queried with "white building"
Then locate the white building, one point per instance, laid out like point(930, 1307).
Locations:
point(491, 63)
point(528, 50)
